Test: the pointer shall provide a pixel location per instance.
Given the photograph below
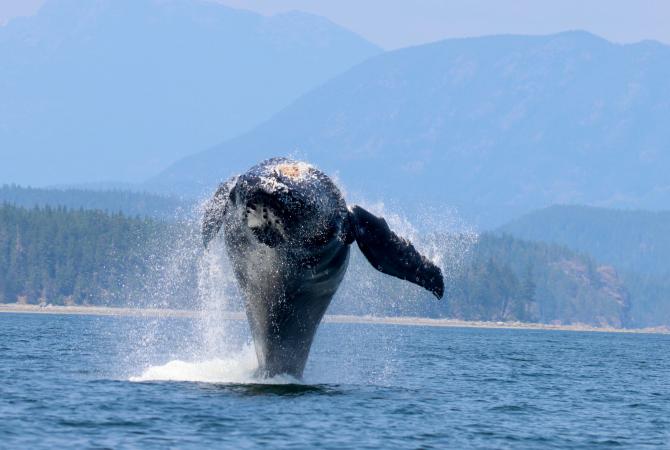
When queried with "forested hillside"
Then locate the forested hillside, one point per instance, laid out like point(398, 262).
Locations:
point(502, 279)
point(636, 242)
point(62, 256)
point(113, 201)
point(73, 256)
point(631, 240)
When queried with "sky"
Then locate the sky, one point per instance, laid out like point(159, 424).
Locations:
point(401, 23)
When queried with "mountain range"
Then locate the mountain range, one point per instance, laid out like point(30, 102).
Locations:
point(96, 90)
point(494, 126)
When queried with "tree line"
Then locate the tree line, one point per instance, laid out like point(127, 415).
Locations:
point(67, 256)
point(110, 200)
point(75, 256)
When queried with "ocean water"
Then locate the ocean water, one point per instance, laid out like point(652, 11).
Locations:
point(124, 382)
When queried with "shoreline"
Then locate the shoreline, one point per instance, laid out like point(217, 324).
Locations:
point(328, 318)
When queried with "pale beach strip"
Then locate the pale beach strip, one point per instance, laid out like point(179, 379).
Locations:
point(329, 318)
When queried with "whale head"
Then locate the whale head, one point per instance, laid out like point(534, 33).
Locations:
point(283, 202)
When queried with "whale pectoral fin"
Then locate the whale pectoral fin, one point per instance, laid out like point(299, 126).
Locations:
point(392, 254)
point(215, 210)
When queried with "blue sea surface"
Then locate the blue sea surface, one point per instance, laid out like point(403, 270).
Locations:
point(65, 381)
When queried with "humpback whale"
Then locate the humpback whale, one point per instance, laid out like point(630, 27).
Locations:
point(287, 232)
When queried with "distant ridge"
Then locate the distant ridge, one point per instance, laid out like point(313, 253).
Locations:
point(631, 240)
point(635, 242)
point(495, 126)
point(118, 89)
point(112, 201)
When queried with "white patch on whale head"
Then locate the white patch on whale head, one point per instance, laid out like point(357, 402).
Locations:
point(294, 170)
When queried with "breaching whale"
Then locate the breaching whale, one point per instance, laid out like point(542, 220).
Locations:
point(287, 232)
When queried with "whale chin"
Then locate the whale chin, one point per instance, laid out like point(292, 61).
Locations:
point(285, 308)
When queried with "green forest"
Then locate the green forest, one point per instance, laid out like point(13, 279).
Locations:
point(75, 256)
point(66, 256)
point(634, 242)
point(112, 201)
point(499, 278)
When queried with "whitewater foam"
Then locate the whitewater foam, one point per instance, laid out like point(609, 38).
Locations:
point(238, 369)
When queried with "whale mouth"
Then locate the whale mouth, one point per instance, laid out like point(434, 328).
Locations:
point(265, 223)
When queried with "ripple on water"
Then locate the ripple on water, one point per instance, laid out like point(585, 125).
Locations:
point(365, 387)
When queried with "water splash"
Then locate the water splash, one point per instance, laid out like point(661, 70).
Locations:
point(218, 298)
point(439, 233)
point(213, 348)
point(237, 368)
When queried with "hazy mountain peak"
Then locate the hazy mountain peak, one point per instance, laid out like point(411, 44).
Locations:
point(494, 126)
point(118, 89)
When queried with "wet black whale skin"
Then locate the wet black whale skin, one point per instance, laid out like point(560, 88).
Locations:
point(287, 231)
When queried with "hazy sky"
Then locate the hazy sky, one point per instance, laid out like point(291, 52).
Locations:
point(399, 23)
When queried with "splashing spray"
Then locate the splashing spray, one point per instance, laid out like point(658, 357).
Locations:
point(218, 348)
